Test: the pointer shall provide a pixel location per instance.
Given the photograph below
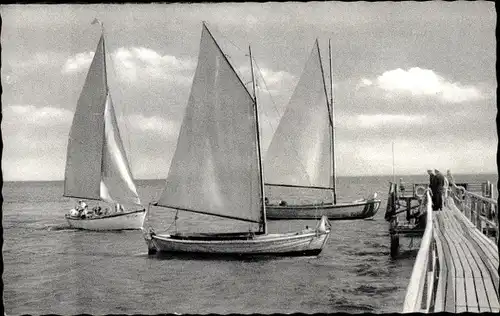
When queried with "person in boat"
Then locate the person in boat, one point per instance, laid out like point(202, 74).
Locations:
point(439, 189)
point(87, 213)
point(74, 213)
point(97, 210)
point(81, 205)
point(432, 186)
point(266, 200)
point(283, 203)
point(119, 208)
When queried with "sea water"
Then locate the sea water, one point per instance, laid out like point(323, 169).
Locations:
point(50, 268)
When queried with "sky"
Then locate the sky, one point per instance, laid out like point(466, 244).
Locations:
point(419, 75)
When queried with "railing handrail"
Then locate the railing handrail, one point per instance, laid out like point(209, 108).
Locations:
point(480, 197)
point(478, 210)
point(414, 290)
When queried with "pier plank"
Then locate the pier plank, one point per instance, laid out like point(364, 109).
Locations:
point(477, 268)
point(489, 244)
point(458, 276)
point(449, 299)
point(467, 279)
point(476, 262)
point(486, 249)
point(440, 296)
point(463, 289)
point(479, 280)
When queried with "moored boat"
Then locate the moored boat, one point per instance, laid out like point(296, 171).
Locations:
point(363, 209)
point(302, 152)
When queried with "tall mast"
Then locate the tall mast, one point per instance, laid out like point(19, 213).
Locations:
point(334, 177)
point(264, 224)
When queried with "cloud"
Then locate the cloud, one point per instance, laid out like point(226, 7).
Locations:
point(423, 82)
point(139, 63)
point(414, 156)
point(40, 116)
point(78, 62)
point(153, 124)
point(35, 140)
point(389, 120)
point(38, 59)
point(366, 82)
point(268, 80)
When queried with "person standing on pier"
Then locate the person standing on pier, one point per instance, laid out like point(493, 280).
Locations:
point(432, 186)
point(445, 190)
point(440, 182)
point(450, 177)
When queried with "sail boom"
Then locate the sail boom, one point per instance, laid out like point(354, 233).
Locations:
point(206, 213)
point(298, 186)
point(83, 197)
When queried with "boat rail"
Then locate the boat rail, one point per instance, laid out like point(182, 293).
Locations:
point(419, 294)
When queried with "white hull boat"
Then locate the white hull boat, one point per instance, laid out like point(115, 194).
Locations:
point(306, 243)
point(117, 221)
point(97, 167)
point(216, 169)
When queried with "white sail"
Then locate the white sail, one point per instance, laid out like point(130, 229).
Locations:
point(116, 174)
point(300, 151)
point(96, 165)
point(83, 163)
point(215, 168)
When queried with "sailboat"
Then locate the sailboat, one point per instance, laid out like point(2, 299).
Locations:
point(216, 169)
point(97, 168)
point(301, 154)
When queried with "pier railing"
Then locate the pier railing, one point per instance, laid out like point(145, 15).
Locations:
point(419, 294)
point(480, 210)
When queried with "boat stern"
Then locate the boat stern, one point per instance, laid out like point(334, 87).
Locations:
point(148, 233)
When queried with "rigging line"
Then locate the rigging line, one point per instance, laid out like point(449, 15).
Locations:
point(227, 55)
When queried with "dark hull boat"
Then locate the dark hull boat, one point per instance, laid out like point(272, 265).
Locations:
point(364, 209)
point(302, 152)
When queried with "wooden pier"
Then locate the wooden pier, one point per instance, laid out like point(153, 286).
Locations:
point(456, 269)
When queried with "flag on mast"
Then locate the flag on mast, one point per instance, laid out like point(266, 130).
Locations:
point(97, 21)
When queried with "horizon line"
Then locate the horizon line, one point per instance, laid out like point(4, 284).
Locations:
point(343, 176)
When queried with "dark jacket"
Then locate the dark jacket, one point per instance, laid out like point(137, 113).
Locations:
point(432, 182)
point(439, 178)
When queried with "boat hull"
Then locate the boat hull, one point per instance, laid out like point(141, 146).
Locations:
point(118, 221)
point(345, 211)
point(306, 242)
point(297, 244)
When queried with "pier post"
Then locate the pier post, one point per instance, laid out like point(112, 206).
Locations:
point(394, 245)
